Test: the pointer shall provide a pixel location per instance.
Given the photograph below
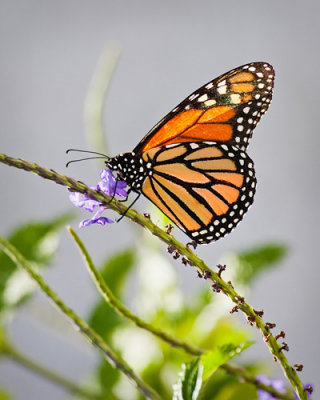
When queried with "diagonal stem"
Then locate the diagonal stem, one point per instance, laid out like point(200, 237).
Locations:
point(198, 263)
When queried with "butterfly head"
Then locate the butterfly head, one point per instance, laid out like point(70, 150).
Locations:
point(130, 168)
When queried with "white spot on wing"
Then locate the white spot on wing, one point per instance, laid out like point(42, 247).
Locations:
point(222, 90)
point(235, 98)
point(209, 103)
point(204, 97)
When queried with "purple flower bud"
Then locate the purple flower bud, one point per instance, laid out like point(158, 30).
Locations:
point(109, 185)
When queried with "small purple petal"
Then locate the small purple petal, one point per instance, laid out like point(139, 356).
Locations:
point(121, 192)
point(82, 201)
point(85, 222)
point(103, 221)
point(99, 221)
point(110, 185)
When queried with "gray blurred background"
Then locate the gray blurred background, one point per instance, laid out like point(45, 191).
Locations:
point(49, 50)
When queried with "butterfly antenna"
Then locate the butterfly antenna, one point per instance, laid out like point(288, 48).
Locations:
point(98, 156)
point(83, 159)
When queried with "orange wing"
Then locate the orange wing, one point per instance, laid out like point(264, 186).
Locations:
point(203, 188)
point(226, 109)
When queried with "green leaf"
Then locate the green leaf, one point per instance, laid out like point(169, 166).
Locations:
point(225, 331)
point(215, 358)
point(190, 382)
point(196, 373)
point(37, 242)
point(253, 262)
point(103, 319)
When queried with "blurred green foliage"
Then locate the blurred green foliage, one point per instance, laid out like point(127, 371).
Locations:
point(253, 262)
point(4, 395)
point(148, 281)
point(37, 242)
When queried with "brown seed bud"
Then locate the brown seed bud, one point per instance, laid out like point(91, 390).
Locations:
point(176, 254)
point(284, 347)
point(193, 244)
point(298, 367)
point(221, 269)
point(280, 335)
point(207, 274)
point(184, 261)
point(215, 287)
point(308, 389)
point(239, 299)
point(169, 228)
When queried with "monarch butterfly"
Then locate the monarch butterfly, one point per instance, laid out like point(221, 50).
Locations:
point(193, 164)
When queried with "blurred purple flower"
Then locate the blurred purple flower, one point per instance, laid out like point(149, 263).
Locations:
point(108, 185)
point(277, 384)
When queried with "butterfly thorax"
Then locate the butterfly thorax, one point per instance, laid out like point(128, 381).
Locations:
point(131, 169)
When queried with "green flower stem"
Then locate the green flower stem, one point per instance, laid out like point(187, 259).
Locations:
point(9, 351)
point(85, 329)
point(95, 99)
point(111, 299)
point(171, 340)
point(225, 287)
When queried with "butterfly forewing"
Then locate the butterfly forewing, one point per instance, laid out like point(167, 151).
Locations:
point(204, 188)
point(226, 109)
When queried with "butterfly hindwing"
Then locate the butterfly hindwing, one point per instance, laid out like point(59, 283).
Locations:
point(226, 109)
point(204, 188)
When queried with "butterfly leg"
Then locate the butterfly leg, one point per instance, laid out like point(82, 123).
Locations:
point(126, 198)
point(115, 191)
point(118, 220)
